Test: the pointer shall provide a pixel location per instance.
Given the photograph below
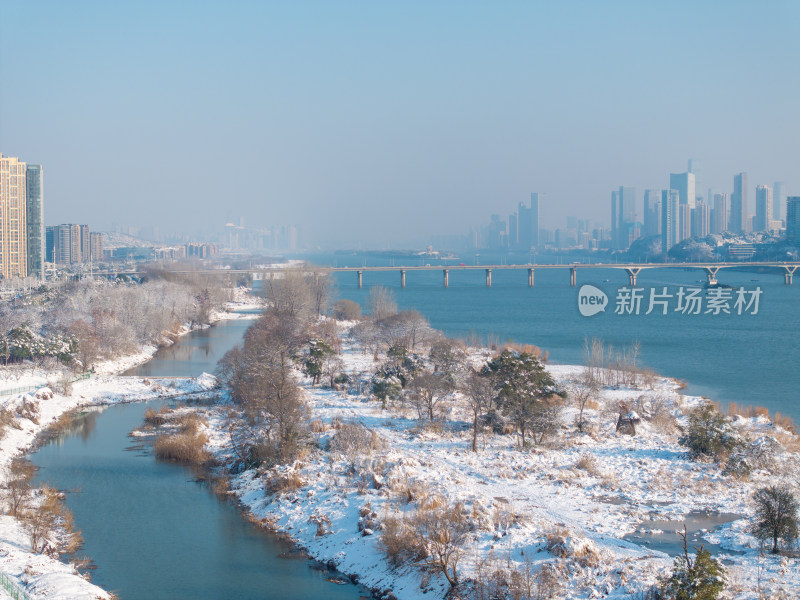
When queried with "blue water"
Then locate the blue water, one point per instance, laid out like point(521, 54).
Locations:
point(151, 528)
point(747, 359)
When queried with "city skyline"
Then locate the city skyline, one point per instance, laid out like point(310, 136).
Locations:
point(314, 115)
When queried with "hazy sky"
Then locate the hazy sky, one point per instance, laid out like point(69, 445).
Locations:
point(383, 122)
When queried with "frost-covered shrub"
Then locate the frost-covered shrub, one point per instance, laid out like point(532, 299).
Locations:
point(353, 440)
point(709, 433)
point(386, 385)
point(434, 536)
point(282, 479)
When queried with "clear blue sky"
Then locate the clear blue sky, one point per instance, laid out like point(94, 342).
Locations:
point(387, 121)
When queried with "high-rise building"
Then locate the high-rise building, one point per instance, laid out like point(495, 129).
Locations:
point(524, 232)
point(739, 211)
point(535, 219)
point(50, 244)
point(701, 220)
point(35, 220)
point(778, 200)
point(685, 184)
point(614, 219)
point(64, 243)
point(696, 169)
point(96, 246)
point(513, 232)
point(86, 247)
point(623, 216)
point(684, 222)
point(670, 200)
point(763, 220)
point(652, 212)
point(793, 217)
point(13, 218)
point(720, 222)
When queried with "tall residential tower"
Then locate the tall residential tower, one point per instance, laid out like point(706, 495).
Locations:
point(35, 217)
point(13, 219)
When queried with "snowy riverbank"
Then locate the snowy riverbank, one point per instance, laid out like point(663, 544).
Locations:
point(567, 504)
point(40, 575)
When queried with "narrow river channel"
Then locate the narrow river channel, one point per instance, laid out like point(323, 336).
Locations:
point(153, 531)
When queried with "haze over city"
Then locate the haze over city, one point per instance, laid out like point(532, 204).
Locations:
point(389, 122)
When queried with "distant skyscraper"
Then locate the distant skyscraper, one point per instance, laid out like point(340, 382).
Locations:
point(652, 212)
point(66, 243)
point(96, 243)
point(35, 218)
point(524, 233)
point(85, 244)
point(778, 200)
point(513, 234)
point(793, 217)
point(763, 220)
point(696, 169)
point(50, 244)
point(684, 222)
point(685, 184)
point(720, 222)
point(701, 216)
point(623, 216)
point(739, 211)
point(614, 219)
point(670, 200)
point(13, 218)
point(535, 219)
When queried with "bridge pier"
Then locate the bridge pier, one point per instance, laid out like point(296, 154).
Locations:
point(632, 273)
point(573, 276)
point(403, 278)
point(787, 276)
point(711, 273)
point(488, 278)
point(530, 277)
point(360, 279)
point(446, 278)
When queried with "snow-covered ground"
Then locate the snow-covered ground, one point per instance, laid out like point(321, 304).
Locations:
point(40, 575)
point(588, 490)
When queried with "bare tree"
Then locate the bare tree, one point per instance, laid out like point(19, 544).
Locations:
point(381, 302)
point(427, 391)
point(478, 391)
point(583, 389)
point(321, 291)
point(18, 486)
point(261, 381)
point(442, 532)
point(347, 310)
point(290, 295)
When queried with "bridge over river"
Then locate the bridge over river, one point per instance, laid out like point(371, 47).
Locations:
point(631, 269)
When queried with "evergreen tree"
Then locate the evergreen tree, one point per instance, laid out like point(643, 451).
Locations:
point(700, 579)
point(776, 516)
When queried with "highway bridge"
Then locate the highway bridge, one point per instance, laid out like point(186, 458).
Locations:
point(631, 269)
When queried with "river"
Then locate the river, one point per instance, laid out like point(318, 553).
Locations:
point(151, 528)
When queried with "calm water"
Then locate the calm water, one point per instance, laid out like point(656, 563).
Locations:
point(152, 530)
point(745, 359)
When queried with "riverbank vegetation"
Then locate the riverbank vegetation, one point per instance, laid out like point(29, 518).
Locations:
point(78, 323)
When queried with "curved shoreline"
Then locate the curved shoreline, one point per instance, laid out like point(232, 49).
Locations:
point(40, 574)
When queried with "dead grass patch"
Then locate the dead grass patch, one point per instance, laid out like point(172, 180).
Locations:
point(184, 447)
